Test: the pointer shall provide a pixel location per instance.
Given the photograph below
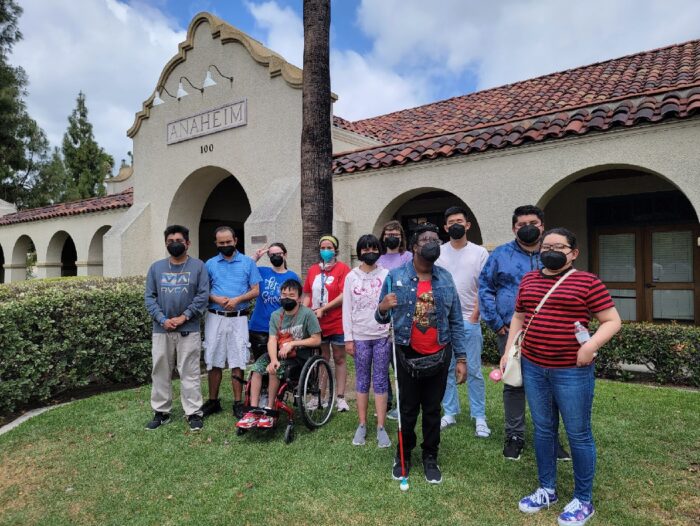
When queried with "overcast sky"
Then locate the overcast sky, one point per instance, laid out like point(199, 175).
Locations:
point(386, 55)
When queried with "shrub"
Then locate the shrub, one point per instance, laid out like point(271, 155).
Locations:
point(670, 351)
point(60, 334)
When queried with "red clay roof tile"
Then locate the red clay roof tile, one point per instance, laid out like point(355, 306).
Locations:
point(645, 87)
point(85, 206)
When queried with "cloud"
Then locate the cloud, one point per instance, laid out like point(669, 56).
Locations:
point(511, 40)
point(365, 88)
point(113, 52)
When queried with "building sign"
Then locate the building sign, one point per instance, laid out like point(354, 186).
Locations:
point(232, 115)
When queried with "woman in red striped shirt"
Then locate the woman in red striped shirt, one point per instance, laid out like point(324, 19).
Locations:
point(558, 371)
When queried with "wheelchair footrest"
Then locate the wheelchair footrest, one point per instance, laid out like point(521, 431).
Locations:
point(272, 413)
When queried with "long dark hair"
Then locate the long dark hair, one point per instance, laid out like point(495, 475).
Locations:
point(284, 250)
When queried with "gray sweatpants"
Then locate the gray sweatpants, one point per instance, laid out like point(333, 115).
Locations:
point(513, 402)
point(164, 350)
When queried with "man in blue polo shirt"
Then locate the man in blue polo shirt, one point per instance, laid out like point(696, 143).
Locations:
point(234, 280)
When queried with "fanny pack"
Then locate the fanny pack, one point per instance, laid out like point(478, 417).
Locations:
point(426, 366)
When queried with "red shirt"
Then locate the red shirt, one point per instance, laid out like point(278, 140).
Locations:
point(424, 334)
point(324, 287)
point(550, 341)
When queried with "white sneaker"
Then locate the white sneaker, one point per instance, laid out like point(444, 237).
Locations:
point(447, 421)
point(342, 405)
point(482, 430)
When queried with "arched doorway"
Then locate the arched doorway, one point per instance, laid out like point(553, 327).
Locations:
point(23, 259)
point(95, 252)
point(61, 256)
point(227, 206)
point(638, 232)
point(423, 205)
point(210, 197)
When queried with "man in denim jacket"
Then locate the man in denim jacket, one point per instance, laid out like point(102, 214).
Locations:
point(427, 319)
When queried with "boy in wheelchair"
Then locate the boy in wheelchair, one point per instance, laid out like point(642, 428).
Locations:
point(291, 327)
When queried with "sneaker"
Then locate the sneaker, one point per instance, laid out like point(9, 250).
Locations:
point(265, 422)
point(238, 409)
point(396, 469)
point(433, 475)
point(563, 454)
point(513, 448)
point(539, 500)
point(383, 439)
point(248, 421)
point(360, 435)
point(482, 429)
point(342, 405)
point(210, 407)
point(393, 415)
point(447, 421)
point(196, 423)
point(159, 419)
point(576, 513)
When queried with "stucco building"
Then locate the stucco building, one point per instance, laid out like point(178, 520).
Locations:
point(610, 150)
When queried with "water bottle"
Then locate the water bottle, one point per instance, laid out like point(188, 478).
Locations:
point(582, 334)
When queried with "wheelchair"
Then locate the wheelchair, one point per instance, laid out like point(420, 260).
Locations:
point(308, 385)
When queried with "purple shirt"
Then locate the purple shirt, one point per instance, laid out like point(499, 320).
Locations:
point(392, 261)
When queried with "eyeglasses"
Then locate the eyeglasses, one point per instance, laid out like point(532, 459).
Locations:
point(425, 240)
point(171, 241)
point(533, 223)
point(556, 246)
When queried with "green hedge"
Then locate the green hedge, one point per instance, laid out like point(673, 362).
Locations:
point(61, 334)
point(672, 352)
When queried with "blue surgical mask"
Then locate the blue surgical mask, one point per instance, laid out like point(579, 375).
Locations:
point(327, 255)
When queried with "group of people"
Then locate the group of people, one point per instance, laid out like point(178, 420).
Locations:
point(424, 298)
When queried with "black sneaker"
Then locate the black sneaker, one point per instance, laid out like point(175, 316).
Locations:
point(513, 448)
point(159, 419)
point(238, 410)
point(562, 454)
point(210, 407)
point(396, 469)
point(196, 423)
point(433, 475)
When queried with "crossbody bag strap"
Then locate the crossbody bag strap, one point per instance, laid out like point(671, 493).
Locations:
point(546, 297)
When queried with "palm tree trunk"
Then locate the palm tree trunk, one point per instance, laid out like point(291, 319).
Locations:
point(316, 147)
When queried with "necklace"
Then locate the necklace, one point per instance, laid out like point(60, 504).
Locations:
point(184, 264)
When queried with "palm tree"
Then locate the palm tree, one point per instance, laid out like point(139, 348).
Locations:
point(316, 147)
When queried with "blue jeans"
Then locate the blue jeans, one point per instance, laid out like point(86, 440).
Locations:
point(571, 389)
point(475, 378)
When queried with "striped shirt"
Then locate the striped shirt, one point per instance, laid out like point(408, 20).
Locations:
point(550, 340)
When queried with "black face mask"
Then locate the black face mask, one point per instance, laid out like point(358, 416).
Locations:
point(456, 231)
point(277, 260)
point(528, 234)
point(227, 251)
point(392, 242)
point(553, 260)
point(431, 251)
point(176, 249)
point(369, 258)
point(288, 304)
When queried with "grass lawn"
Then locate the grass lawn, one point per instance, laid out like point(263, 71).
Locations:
point(92, 462)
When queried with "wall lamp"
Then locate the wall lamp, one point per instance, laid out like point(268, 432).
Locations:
point(209, 81)
point(157, 101)
point(181, 90)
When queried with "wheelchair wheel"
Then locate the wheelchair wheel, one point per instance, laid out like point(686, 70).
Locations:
point(316, 392)
point(289, 434)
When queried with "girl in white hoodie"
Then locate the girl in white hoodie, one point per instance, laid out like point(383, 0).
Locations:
point(365, 339)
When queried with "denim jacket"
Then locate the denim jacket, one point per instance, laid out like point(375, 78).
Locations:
point(499, 281)
point(404, 283)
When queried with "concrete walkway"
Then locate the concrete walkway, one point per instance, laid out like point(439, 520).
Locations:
point(26, 416)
